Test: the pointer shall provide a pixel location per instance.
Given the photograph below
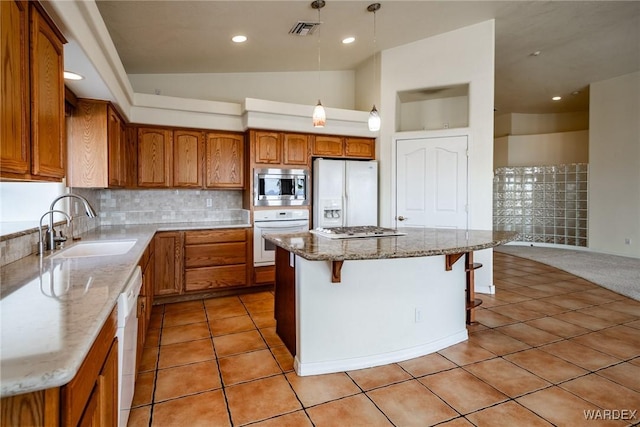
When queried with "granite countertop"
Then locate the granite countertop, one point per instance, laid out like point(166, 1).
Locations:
point(416, 242)
point(52, 309)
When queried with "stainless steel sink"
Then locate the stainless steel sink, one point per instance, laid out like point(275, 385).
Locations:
point(97, 248)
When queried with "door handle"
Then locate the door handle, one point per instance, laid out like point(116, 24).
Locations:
point(401, 218)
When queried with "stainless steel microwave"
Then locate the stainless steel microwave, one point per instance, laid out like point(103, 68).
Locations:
point(281, 187)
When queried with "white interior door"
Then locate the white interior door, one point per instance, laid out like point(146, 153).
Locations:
point(431, 182)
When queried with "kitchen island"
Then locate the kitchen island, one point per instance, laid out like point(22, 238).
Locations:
point(344, 304)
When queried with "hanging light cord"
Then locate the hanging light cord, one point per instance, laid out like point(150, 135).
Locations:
point(319, 24)
point(375, 50)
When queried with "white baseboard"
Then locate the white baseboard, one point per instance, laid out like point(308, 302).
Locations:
point(317, 368)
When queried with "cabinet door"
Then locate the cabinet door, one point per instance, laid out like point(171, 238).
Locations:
point(131, 156)
point(267, 147)
point(224, 160)
point(108, 386)
point(88, 149)
point(91, 414)
point(169, 259)
point(154, 157)
point(296, 149)
point(360, 147)
point(188, 147)
point(47, 99)
point(116, 148)
point(14, 92)
point(328, 146)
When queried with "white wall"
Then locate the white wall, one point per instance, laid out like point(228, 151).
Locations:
point(531, 124)
point(614, 166)
point(502, 125)
point(15, 207)
point(463, 56)
point(336, 88)
point(432, 114)
point(543, 150)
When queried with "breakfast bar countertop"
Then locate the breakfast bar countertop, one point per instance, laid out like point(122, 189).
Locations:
point(416, 242)
point(52, 308)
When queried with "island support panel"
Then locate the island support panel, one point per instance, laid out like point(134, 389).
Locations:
point(382, 311)
point(285, 299)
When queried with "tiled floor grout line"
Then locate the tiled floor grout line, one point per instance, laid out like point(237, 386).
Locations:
point(155, 371)
point(217, 359)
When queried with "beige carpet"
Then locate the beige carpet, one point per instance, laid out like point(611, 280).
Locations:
point(617, 273)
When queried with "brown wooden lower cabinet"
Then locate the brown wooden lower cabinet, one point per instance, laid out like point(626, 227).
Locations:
point(97, 378)
point(199, 261)
point(89, 399)
point(216, 259)
point(169, 262)
point(265, 275)
point(145, 299)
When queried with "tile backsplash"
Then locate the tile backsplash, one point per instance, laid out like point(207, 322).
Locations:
point(119, 207)
point(163, 206)
point(545, 204)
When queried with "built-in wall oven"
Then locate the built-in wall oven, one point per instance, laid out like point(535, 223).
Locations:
point(275, 222)
point(281, 187)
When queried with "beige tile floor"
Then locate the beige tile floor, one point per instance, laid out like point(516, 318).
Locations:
point(546, 348)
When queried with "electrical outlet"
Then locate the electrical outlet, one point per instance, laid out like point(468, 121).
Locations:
point(75, 208)
point(209, 203)
point(627, 241)
point(418, 315)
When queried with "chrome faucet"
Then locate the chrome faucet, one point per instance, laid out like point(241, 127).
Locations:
point(42, 247)
point(87, 208)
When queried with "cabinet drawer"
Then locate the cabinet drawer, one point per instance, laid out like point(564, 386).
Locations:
point(215, 254)
point(215, 236)
point(199, 279)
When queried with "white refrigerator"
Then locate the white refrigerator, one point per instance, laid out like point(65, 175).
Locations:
point(345, 193)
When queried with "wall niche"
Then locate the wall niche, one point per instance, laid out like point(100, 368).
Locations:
point(433, 108)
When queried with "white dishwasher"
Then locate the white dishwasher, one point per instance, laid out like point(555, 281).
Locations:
point(127, 334)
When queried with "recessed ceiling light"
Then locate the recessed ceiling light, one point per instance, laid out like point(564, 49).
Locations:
point(557, 98)
point(68, 75)
point(575, 92)
point(536, 53)
point(349, 40)
point(239, 39)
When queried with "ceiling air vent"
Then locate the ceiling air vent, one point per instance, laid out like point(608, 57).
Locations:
point(303, 28)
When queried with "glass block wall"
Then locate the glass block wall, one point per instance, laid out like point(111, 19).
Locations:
point(545, 204)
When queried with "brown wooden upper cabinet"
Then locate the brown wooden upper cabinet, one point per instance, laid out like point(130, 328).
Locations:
point(155, 157)
point(188, 155)
point(99, 149)
point(267, 147)
point(296, 149)
point(280, 148)
point(360, 147)
point(332, 146)
point(33, 146)
point(224, 160)
point(347, 147)
point(117, 149)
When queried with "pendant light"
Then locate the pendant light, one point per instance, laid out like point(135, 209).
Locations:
point(374, 116)
point(319, 116)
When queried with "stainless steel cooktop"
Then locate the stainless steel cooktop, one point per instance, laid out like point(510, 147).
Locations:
point(356, 232)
